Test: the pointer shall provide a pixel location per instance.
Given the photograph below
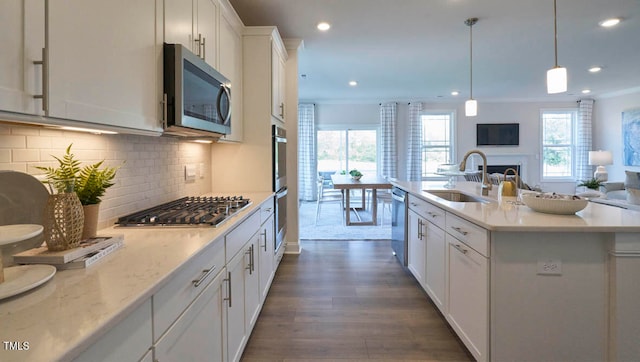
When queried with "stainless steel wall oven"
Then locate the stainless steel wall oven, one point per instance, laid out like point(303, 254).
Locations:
point(279, 154)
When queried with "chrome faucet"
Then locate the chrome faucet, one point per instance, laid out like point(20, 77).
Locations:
point(486, 185)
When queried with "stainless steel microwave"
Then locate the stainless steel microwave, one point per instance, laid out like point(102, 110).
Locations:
point(197, 97)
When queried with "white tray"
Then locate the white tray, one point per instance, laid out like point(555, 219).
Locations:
point(19, 279)
point(18, 232)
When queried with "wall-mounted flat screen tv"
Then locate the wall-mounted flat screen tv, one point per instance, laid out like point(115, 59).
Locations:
point(497, 134)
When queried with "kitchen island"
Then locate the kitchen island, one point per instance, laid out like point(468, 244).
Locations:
point(516, 284)
point(130, 303)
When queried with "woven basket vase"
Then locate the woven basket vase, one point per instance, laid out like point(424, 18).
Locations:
point(63, 221)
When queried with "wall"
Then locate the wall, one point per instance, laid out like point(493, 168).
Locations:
point(525, 113)
point(607, 130)
point(152, 169)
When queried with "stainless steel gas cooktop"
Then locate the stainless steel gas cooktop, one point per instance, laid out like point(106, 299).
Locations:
point(188, 211)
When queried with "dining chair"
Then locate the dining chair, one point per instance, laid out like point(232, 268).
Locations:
point(328, 195)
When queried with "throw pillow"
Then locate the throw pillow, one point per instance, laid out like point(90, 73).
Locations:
point(632, 185)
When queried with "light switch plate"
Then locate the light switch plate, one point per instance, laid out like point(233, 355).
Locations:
point(190, 172)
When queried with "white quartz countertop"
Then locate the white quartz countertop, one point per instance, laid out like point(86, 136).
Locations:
point(70, 312)
point(501, 215)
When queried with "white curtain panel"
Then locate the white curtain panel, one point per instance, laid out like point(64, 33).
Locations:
point(388, 115)
point(583, 145)
point(414, 155)
point(307, 166)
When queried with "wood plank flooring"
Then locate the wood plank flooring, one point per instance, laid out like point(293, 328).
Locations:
point(349, 301)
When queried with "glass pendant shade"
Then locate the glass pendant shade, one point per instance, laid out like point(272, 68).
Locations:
point(471, 108)
point(557, 80)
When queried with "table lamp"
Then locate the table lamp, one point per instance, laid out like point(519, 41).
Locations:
point(600, 159)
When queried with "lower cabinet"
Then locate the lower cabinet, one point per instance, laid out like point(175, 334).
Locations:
point(468, 311)
point(237, 328)
point(435, 269)
point(199, 330)
point(265, 259)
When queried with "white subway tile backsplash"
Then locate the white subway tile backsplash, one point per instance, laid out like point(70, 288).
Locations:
point(151, 172)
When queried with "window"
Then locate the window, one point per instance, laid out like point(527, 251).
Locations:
point(345, 150)
point(437, 141)
point(558, 144)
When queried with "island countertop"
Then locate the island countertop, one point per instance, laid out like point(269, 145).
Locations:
point(501, 214)
point(69, 313)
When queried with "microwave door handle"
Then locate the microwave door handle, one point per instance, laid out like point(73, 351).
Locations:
point(225, 91)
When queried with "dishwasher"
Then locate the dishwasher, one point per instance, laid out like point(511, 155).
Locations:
point(398, 225)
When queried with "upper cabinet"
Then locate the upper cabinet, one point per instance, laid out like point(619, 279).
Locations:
point(102, 64)
point(230, 65)
point(193, 23)
point(22, 39)
point(278, 60)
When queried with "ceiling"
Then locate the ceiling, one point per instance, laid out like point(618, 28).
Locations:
point(418, 50)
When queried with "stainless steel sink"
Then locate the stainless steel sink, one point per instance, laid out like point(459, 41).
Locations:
point(455, 196)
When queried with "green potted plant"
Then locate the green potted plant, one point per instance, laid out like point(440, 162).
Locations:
point(355, 174)
point(593, 184)
point(90, 183)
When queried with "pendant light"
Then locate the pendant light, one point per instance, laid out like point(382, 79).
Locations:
point(471, 106)
point(556, 76)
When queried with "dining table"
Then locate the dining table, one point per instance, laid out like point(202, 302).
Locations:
point(348, 183)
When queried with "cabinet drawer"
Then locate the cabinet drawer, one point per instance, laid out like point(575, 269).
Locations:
point(239, 236)
point(471, 234)
point(170, 301)
point(266, 210)
point(427, 211)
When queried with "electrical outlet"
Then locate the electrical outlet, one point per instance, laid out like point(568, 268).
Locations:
point(550, 267)
point(189, 172)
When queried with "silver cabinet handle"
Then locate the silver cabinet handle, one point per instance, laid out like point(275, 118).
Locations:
point(420, 235)
point(253, 259)
point(204, 48)
point(282, 110)
point(250, 253)
point(460, 248)
point(229, 281)
point(432, 214)
point(205, 274)
point(198, 41)
point(264, 233)
point(45, 81)
point(460, 230)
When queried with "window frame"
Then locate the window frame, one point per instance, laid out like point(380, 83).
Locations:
point(452, 140)
point(572, 145)
point(347, 128)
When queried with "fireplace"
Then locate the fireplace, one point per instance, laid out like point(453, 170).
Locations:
point(500, 168)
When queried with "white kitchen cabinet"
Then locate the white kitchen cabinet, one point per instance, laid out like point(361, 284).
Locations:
point(22, 38)
point(266, 253)
point(252, 295)
point(200, 329)
point(236, 328)
point(416, 246)
point(103, 62)
point(436, 272)
point(468, 299)
point(278, 79)
point(129, 340)
point(193, 23)
point(230, 65)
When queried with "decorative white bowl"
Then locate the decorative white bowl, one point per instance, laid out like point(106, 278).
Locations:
point(553, 206)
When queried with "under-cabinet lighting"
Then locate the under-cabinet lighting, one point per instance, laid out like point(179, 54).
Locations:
point(87, 130)
point(203, 141)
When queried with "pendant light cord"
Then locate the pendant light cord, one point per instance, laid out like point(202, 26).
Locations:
point(470, 22)
point(555, 32)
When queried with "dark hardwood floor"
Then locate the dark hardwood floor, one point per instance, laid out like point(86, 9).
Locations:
point(349, 301)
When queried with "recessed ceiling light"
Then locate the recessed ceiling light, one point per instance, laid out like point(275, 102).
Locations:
point(610, 22)
point(353, 83)
point(586, 91)
point(455, 93)
point(324, 26)
point(595, 69)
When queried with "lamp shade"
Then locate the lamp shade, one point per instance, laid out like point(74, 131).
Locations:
point(600, 158)
point(557, 80)
point(471, 108)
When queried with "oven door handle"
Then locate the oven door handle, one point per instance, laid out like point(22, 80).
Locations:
point(282, 192)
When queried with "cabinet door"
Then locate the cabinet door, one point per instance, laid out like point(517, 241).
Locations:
point(22, 39)
point(102, 62)
point(416, 247)
point(178, 23)
point(267, 236)
point(252, 282)
point(236, 326)
point(199, 330)
point(277, 84)
point(468, 297)
point(435, 274)
point(230, 65)
point(206, 31)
